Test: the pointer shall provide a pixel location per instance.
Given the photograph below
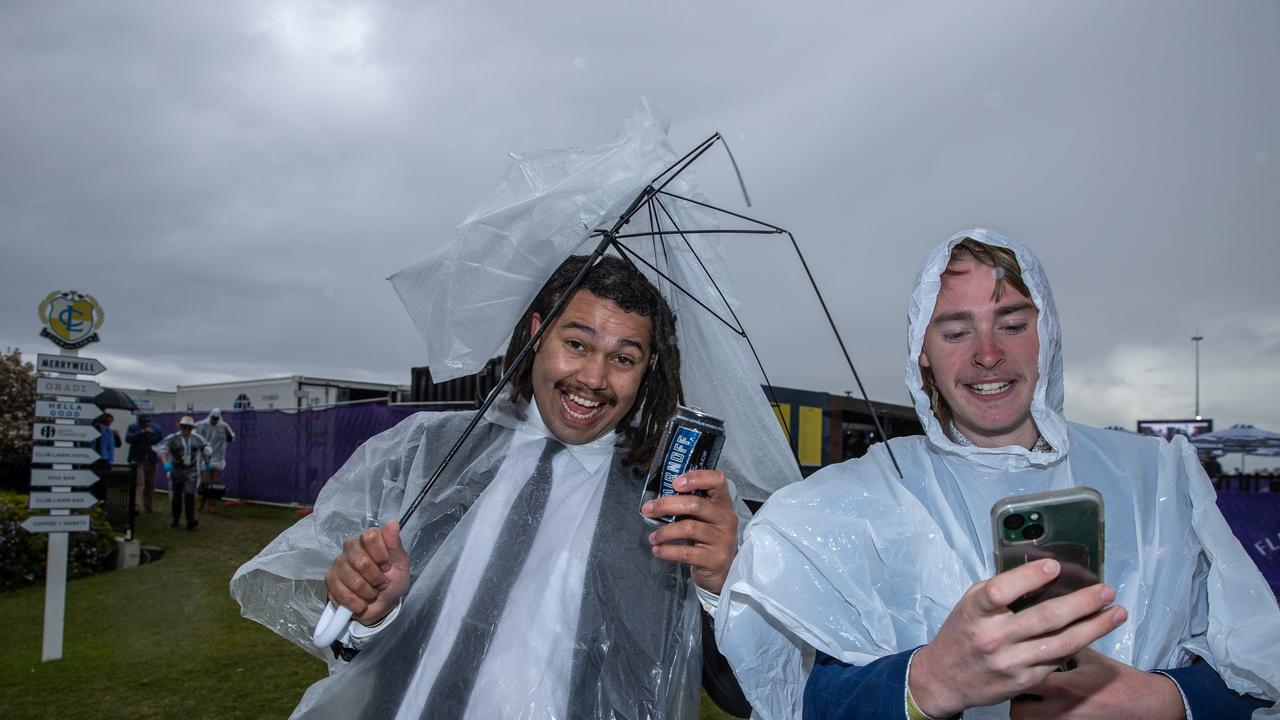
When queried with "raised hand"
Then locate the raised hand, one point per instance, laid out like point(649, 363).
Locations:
point(985, 653)
point(708, 525)
point(371, 574)
point(1101, 688)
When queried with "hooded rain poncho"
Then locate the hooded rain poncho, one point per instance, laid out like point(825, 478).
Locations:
point(860, 564)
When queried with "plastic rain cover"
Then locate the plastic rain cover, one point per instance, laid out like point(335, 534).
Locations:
point(860, 564)
point(600, 626)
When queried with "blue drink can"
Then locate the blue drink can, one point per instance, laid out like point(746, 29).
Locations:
point(692, 440)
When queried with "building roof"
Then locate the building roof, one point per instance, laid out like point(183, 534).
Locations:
point(299, 380)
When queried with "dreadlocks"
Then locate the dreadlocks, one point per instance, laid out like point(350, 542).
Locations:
point(616, 280)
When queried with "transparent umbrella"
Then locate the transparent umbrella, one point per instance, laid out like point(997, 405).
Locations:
point(631, 197)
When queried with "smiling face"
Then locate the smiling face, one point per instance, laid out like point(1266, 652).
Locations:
point(983, 355)
point(588, 367)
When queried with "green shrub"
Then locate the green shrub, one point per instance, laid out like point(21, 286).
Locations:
point(23, 554)
point(17, 412)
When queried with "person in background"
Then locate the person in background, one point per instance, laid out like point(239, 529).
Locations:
point(141, 436)
point(182, 452)
point(108, 439)
point(217, 434)
point(1213, 469)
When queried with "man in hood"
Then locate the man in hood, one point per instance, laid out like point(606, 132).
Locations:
point(887, 584)
point(528, 584)
point(217, 433)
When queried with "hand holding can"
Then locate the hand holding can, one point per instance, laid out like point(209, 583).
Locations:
point(691, 441)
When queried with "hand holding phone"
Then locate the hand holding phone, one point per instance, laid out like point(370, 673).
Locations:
point(1063, 525)
point(1046, 604)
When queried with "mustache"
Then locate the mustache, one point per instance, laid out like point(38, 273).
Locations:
point(569, 387)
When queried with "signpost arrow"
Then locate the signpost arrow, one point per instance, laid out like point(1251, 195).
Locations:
point(69, 433)
point(66, 410)
point(68, 364)
point(64, 387)
point(63, 478)
point(56, 523)
point(63, 455)
point(62, 500)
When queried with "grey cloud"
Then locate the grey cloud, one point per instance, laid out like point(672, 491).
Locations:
point(235, 181)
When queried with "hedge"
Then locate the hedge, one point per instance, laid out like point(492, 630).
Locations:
point(23, 554)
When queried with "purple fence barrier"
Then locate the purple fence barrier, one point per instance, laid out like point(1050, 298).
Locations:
point(287, 457)
point(1255, 520)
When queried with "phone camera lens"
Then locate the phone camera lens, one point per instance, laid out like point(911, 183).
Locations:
point(1032, 532)
point(1013, 522)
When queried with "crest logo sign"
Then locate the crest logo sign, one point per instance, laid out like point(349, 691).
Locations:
point(71, 319)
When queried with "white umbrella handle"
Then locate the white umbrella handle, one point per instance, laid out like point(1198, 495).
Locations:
point(333, 621)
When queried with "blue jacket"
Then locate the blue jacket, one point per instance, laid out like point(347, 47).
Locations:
point(141, 441)
point(105, 445)
point(836, 691)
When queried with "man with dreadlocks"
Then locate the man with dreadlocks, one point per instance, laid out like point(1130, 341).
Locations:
point(528, 585)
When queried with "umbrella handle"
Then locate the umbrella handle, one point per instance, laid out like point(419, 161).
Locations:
point(333, 621)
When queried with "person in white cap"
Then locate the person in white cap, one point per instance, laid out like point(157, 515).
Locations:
point(217, 433)
point(182, 452)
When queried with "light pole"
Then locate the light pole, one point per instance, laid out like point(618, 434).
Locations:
point(1196, 339)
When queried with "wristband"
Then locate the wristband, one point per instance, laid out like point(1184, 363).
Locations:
point(913, 711)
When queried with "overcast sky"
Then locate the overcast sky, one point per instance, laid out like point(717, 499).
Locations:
point(234, 181)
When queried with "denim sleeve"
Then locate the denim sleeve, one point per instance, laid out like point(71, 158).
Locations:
point(837, 691)
point(1206, 696)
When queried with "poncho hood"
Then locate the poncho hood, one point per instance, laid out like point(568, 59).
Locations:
point(1046, 401)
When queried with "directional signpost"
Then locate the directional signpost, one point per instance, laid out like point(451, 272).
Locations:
point(63, 455)
point(68, 433)
point(71, 320)
point(58, 410)
point(68, 364)
point(62, 478)
point(66, 387)
point(57, 524)
point(62, 500)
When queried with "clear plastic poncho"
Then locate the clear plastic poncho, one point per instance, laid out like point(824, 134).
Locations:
point(597, 628)
point(216, 436)
point(594, 627)
point(860, 564)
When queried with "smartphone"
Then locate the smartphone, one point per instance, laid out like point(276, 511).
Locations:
point(1066, 525)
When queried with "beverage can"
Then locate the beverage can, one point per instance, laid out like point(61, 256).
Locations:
point(692, 440)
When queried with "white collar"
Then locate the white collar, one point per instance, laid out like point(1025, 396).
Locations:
point(590, 455)
point(959, 438)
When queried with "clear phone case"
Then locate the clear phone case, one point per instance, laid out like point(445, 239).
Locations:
point(1067, 525)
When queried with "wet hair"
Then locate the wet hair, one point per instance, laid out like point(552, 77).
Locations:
point(618, 281)
point(1005, 263)
point(1002, 259)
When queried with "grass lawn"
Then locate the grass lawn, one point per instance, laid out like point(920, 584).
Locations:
point(163, 640)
